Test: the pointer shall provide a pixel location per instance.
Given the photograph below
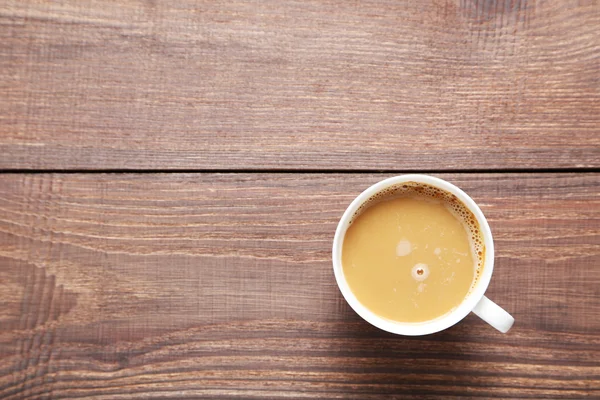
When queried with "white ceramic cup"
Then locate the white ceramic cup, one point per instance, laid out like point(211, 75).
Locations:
point(475, 301)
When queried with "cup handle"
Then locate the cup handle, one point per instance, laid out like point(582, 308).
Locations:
point(494, 315)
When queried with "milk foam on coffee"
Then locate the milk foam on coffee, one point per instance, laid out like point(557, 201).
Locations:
point(412, 253)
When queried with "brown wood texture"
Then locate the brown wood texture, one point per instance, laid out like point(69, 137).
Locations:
point(221, 286)
point(283, 84)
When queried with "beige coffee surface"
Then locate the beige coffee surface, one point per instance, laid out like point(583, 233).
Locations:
point(409, 259)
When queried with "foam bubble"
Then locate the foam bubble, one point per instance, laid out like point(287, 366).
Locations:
point(403, 248)
point(420, 272)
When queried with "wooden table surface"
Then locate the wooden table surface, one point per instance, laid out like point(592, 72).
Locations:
point(172, 173)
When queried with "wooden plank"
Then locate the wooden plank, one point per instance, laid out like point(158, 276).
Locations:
point(221, 286)
point(282, 84)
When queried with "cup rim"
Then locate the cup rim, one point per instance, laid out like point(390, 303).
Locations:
point(437, 324)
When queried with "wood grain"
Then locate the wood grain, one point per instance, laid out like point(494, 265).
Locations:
point(221, 286)
point(283, 84)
